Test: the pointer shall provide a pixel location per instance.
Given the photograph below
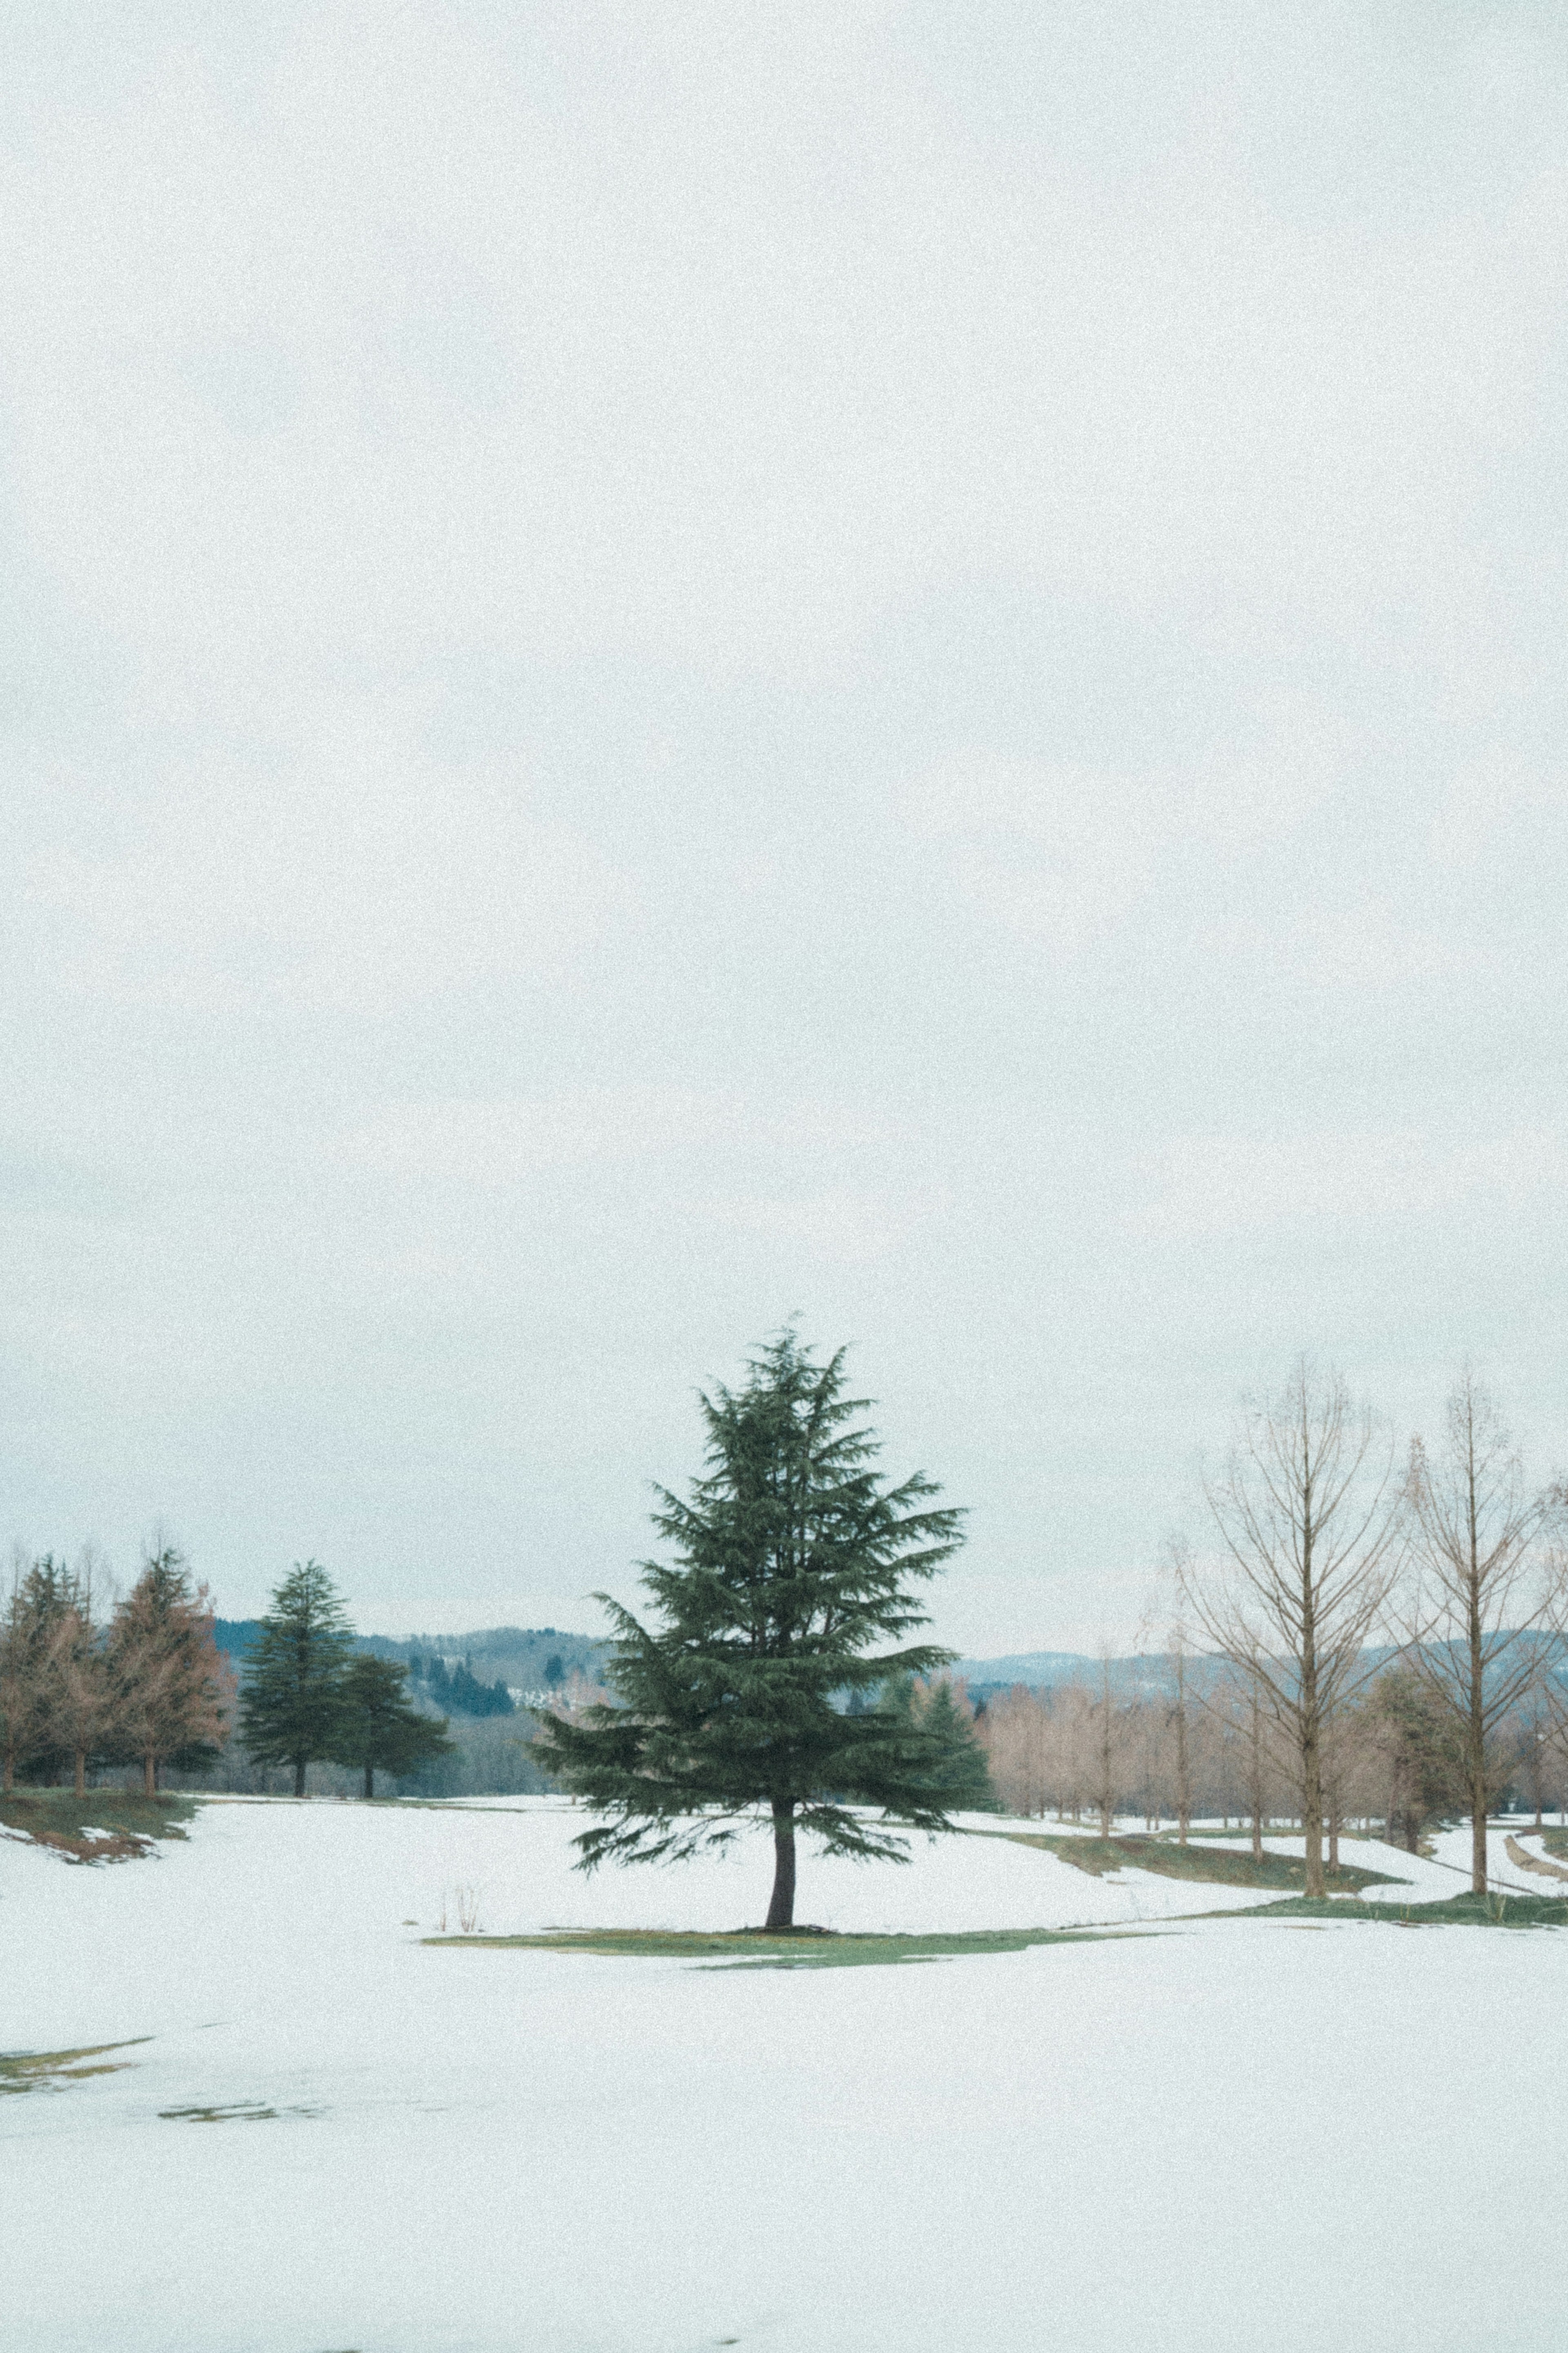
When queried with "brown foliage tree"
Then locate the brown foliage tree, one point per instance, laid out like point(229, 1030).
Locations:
point(172, 1690)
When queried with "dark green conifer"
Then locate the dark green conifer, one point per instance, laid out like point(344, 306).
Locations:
point(292, 1697)
point(958, 1761)
point(795, 1562)
point(377, 1730)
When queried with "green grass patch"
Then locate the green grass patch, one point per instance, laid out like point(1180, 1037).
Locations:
point(52, 2071)
point(237, 2112)
point(1466, 1911)
point(751, 1948)
point(1217, 1866)
point(58, 1818)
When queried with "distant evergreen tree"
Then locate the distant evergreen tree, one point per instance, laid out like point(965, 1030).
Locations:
point(1425, 1759)
point(377, 1731)
point(292, 1697)
point(471, 1697)
point(555, 1671)
point(438, 1679)
point(794, 1559)
point(961, 1768)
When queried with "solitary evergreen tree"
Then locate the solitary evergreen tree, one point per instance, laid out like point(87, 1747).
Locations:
point(377, 1730)
point(794, 1557)
point(293, 1692)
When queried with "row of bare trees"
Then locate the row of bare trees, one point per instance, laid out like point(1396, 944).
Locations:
point(1206, 1749)
point(87, 1680)
point(1331, 1554)
point(1373, 1637)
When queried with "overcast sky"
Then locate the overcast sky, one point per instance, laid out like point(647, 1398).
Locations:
point(664, 665)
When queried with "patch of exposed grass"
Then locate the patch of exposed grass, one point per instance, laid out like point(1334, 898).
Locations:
point(752, 1948)
point(1466, 1911)
point(236, 2112)
point(52, 2071)
point(1218, 1866)
point(58, 1818)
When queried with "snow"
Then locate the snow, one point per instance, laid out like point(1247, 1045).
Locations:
point(479, 2150)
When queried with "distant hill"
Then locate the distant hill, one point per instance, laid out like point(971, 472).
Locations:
point(1034, 1667)
point(1142, 1671)
point(235, 1635)
point(527, 1659)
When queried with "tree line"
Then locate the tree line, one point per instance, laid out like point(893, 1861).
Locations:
point(144, 1684)
point(1382, 1639)
point(1378, 1638)
point(1095, 1751)
point(460, 1688)
point(83, 1688)
point(308, 1696)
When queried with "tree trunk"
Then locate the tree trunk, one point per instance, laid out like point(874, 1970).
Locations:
point(1183, 1778)
point(8, 1772)
point(298, 1777)
point(81, 1772)
point(150, 1773)
point(1476, 1729)
point(1312, 1811)
point(1311, 1726)
point(781, 1910)
point(370, 1780)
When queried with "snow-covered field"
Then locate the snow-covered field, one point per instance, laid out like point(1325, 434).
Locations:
point(1216, 2136)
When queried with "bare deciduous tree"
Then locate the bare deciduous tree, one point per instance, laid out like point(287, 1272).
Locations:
point(1180, 1726)
point(1107, 1748)
point(1014, 1732)
point(1308, 1519)
point(1480, 1588)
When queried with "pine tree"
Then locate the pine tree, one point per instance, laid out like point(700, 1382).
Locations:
point(172, 1695)
point(35, 1610)
point(293, 1692)
point(377, 1730)
point(960, 1767)
point(83, 1702)
point(794, 1559)
point(1423, 1756)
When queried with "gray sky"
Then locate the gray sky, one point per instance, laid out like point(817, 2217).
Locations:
point(665, 664)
